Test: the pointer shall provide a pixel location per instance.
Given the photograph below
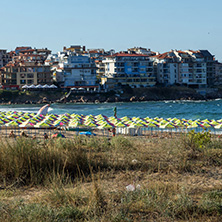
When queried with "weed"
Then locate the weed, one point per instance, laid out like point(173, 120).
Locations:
point(211, 202)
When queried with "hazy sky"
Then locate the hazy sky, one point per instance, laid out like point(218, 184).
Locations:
point(160, 25)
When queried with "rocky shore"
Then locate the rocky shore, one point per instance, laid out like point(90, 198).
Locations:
point(125, 95)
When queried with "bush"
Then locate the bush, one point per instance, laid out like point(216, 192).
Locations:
point(199, 140)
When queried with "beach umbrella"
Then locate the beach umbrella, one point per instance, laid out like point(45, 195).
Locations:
point(193, 125)
point(179, 123)
point(151, 125)
point(12, 123)
point(133, 125)
point(219, 126)
point(32, 86)
point(39, 86)
point(205, 125)
point(45, 86)
point(53, 86)
point(214, 123)
point(105, 125)
point(125, 118)
point(75, 124)
point(2, 123)
point(27, 124)
point(167, 125)
point(43, 124)
point(24, 87)
point(119, 124)
point(5, 120)
point(92, 125)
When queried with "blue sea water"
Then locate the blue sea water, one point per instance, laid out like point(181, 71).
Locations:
point(166, 109)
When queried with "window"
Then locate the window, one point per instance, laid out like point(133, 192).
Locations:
point(15, 70)
point(23, 69)
point(22, 75)
point(22, 81)
point(39, 69)
point(30, 70)
point(30, 75)
point(30, 81)
point(40, 75)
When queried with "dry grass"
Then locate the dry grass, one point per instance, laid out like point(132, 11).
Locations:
point(85, 179)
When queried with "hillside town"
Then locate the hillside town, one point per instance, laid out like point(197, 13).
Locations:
point(97, 70)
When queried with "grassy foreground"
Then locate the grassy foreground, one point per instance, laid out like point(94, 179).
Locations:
point(121, 179)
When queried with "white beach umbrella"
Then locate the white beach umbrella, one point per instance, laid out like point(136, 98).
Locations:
point(32, 86)
point(39, 86)
point(24, 87)
point(45, 86)
point(53, 86)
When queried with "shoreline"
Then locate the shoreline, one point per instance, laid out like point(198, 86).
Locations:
point(126, 95)
point(119, 101)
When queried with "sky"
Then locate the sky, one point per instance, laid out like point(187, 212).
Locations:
point(160, 25)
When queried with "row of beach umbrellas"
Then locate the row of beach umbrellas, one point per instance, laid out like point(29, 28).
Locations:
point(39, 86)
point(67, 120)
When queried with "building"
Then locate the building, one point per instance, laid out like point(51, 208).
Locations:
point(100, 71)
point(4, 57)
point(210, 68)
point(71, 70)
point(134, 70)
point(141, 50)
point(78, 49)
point(27, 67)
point(166, 68)
point(31, 55)
point(218, 73)
point(181, 67)
point(80, 71)
point(95, 53)
point(15, 75)
point(21, 48)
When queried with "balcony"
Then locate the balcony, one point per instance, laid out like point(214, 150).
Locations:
point(119, 65)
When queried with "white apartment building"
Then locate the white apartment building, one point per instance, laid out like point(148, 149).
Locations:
point(181, 67)
point(167, 69)
point(135, 70)
point(73, 71)
point(79, 71)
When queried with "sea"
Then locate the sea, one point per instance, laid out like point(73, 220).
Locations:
point(166, 109)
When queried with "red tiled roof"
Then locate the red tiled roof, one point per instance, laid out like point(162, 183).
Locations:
point(28, 50)
point(161, 56)
point(22, 47)
point(93, 51)
point(182, 52)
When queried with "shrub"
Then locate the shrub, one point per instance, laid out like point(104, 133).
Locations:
point(198, 140)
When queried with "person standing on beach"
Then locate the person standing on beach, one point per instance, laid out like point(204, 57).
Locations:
point(115, 111)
